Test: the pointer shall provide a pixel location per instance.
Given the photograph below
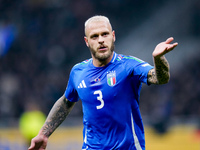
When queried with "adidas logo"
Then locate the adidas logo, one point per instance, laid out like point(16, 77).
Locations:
point(82, 84)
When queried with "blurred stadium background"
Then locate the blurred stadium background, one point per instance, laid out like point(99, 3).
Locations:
point(40, 41)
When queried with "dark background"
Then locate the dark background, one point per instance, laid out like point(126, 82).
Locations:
point(48, 41)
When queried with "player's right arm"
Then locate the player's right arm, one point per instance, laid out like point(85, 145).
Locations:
point(57, 115)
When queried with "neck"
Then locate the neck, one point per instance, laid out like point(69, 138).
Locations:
point(101, 63)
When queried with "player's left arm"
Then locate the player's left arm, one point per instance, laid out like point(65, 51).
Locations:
point(160, 73)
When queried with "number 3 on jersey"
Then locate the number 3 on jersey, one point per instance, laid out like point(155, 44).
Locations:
point(100, 98)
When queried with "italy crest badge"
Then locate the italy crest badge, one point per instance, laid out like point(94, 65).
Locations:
point(111, 78)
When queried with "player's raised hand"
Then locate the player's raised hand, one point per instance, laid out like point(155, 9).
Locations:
point(164, 47)
point(38, 143)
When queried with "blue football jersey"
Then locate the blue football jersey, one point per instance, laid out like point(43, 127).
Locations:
point(110, 101)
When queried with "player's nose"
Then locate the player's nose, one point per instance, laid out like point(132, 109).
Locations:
point(101, 39)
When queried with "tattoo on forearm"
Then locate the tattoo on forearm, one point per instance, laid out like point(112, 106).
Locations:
point(152, 79)
point(160, 74)
point(56, 116)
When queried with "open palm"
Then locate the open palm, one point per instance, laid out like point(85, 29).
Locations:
point(164, 47)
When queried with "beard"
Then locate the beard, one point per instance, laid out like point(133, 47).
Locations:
point(103, 57)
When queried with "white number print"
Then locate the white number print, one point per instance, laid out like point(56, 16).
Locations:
point(100, 98)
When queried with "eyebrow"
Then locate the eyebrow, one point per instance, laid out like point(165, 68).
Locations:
point(95, 34)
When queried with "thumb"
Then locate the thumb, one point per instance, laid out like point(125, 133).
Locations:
point(32, 146)
point(169, 40)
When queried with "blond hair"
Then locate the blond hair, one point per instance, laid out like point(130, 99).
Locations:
point(97, 18)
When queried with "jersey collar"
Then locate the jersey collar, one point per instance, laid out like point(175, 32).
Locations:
point(112, 60)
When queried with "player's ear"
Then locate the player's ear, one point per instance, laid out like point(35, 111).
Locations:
point(113, 34)
point(86, 41)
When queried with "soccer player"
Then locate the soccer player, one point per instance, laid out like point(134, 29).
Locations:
point(109, 87)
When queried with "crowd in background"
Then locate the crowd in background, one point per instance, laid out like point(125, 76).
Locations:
point(177, 100)
point(49, 41)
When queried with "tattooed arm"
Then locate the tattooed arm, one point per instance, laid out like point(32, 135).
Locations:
point(57, 115)
point(160, 73)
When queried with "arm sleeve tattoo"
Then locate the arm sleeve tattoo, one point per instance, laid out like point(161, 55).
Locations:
point(160, 74)
point(57, 115)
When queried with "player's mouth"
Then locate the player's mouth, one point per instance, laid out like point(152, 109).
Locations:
point(102, 48)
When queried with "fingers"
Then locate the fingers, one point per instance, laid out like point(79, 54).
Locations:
point(32, 146)
point(164, 47)
point(170, 46)
point(175, 44)
point(169, 40)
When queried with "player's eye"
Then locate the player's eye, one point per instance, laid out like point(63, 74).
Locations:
point(94, 36)
point(105, 34)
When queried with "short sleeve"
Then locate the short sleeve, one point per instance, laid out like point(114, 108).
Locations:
point(138, 68)
point(70, 92)
point(141, 70)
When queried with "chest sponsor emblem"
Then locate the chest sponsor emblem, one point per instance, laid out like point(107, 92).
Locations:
point(111, 78)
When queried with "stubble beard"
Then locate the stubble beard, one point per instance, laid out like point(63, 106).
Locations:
point(103, 57)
